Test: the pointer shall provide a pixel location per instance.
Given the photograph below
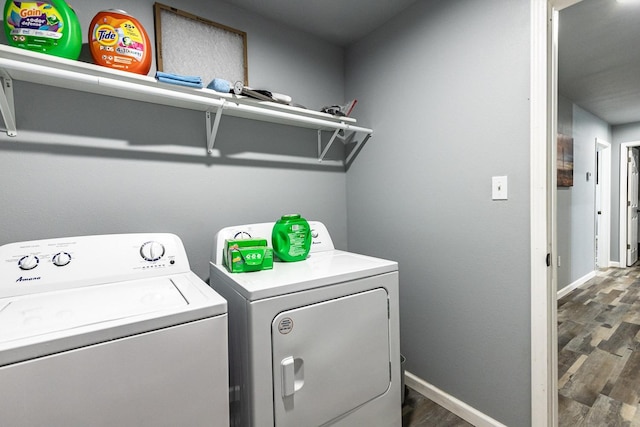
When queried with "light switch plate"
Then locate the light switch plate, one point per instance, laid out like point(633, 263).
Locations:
point(499, 188)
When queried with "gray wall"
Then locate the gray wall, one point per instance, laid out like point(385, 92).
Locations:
point(576, 204)
point(446, 87)
point(77, 166)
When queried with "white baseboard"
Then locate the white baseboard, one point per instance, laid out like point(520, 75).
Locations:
point(614, 264)
point(450, 403)
point(564, 291)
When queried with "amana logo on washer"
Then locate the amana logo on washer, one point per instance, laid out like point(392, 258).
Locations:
point(27, 279)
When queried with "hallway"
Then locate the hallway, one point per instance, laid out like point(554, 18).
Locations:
point(599, 351)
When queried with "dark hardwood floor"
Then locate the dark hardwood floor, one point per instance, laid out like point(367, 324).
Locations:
point(599, 351)
point(418, 411)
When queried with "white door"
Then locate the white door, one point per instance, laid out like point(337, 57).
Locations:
point(632, 208)
point(329, 358)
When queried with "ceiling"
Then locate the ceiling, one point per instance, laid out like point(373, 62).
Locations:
point(341, 22)
point(599, 58)
point(599, 44)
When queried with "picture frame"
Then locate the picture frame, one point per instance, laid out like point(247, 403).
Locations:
point(565, 161)
point(190, 45)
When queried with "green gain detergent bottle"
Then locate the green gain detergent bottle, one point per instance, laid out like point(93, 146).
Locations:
point(291, 238)
point(43, 26)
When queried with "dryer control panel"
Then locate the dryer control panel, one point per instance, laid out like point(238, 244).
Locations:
point(64, 263)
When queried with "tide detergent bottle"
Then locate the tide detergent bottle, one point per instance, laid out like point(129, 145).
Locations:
point(117, 40)
point(50, 27)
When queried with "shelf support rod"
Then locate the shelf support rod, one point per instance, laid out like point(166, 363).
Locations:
point(355, 150)
point(212, 132)
point(324, 152)
point(6, 105)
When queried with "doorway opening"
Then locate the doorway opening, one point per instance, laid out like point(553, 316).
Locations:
point(628, 238)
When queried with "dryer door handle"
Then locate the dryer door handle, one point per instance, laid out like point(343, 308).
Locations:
point(292, 371)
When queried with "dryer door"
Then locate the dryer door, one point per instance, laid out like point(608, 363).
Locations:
point(330, 358)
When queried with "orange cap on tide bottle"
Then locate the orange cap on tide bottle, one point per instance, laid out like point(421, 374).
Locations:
point(119, 41)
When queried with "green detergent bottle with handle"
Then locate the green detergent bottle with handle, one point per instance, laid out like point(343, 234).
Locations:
point(50, 27)
point(291, 238)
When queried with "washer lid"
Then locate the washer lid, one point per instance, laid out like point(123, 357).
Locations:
point(320, 269)
point(44, 323)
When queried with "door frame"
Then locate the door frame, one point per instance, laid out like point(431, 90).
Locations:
point(604, 187)
point(543, 128)
point(543, 184)
point(624, 150)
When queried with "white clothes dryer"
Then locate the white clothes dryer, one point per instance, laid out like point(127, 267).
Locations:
point(111, 330)
point(313, 342)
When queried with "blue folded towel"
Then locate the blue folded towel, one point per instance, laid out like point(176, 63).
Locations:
point(179, 82)
point(220, 85)
point(178, 77)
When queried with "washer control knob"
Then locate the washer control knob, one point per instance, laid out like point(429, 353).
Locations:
point(28, 262)
point(152, 251)
point(61, 259)
point(242, 235)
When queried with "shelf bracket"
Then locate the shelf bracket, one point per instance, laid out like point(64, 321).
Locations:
point(321, 152)
point(213, 131)
point(355, 150)
point(7, 107)
point(346, 139)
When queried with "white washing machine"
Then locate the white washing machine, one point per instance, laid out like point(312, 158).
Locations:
point(110, 330)
point(314, 342)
